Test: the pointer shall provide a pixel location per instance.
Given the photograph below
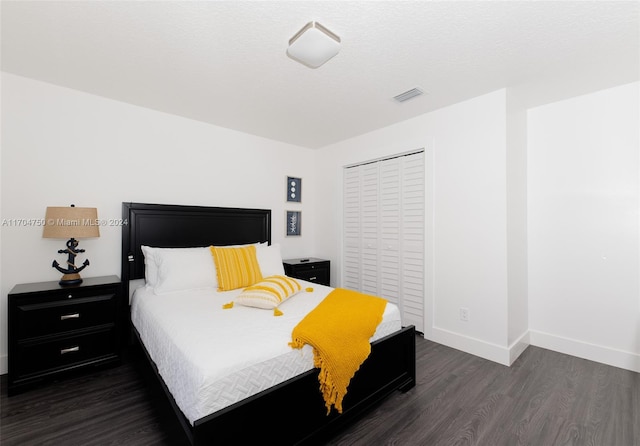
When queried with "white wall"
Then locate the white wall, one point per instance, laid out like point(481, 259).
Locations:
point(533, 221)
point(583, 226)
point(61, 146)
point(490, 209)
point(466, 215)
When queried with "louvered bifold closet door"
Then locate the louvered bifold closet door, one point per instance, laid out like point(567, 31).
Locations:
point(369, 210)
point(390, 230)
point(384, 232)
point(413, 240)
point(351, 276)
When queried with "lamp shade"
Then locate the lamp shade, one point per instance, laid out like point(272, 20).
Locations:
point(71, 222)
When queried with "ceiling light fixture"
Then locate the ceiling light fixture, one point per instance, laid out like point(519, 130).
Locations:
point(313, 45)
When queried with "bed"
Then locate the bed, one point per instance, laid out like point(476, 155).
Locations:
point(288, 410)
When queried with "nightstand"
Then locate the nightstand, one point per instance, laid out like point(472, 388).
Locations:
point(55, 329)
point(309, 268)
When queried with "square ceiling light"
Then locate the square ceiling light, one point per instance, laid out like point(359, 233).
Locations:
point(313, 45)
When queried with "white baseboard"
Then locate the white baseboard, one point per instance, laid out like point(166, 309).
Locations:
point(598, 353)
point(487, 350)
point(507, 355)
point(518, 346)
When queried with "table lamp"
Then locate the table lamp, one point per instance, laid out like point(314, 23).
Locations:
point(72, 223)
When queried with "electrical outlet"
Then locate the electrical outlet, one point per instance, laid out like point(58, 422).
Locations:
point(464, 314)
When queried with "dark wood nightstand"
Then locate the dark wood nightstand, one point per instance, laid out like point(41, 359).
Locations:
point(309, 268)
point(55, 329)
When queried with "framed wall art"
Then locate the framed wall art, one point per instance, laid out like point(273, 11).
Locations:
point(293, 222)
point(294, 189)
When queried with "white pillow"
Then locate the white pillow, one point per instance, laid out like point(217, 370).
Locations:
point(150, 265)
point(270, 260)
point(180, 269)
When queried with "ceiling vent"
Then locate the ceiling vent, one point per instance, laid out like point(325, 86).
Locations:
point(408, 95)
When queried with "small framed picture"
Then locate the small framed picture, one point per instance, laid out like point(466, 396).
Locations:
point(294, 189)
point(293, 223)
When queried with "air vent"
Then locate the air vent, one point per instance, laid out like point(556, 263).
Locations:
point(408, 95)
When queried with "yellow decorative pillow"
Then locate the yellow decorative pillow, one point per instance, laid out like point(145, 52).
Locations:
point(236, 267)
point(269, 293)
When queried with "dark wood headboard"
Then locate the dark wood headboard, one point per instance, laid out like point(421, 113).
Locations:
point(179, 226)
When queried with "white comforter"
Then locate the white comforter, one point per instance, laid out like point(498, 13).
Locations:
point(210, 358)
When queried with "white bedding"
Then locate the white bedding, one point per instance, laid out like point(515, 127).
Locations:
point(210, 358)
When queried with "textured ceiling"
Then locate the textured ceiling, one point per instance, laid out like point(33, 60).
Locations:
point(225, 62)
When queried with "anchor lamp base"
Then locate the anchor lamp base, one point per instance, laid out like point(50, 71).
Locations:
point(70, 279)
point(71, 272)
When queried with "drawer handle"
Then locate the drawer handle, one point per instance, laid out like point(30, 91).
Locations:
point(64, 351)
point(64, 317)
point(312, 278)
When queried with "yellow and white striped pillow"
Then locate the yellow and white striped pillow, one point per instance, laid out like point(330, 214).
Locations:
point(236, 267)
point(269, 293)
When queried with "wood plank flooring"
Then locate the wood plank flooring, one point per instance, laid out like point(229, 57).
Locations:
point(545, 398)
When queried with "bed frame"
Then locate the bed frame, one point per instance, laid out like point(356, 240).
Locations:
point(292, 412)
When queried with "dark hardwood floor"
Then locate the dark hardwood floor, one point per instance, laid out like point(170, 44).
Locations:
point(545, 398)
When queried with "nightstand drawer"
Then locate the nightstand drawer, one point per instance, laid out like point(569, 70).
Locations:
point(43, 357)
point(49, 318)
point(316, 275)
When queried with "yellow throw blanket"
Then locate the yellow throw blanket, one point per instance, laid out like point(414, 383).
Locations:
point(339, 329)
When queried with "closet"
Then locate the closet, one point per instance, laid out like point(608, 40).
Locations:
point(384, 240)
